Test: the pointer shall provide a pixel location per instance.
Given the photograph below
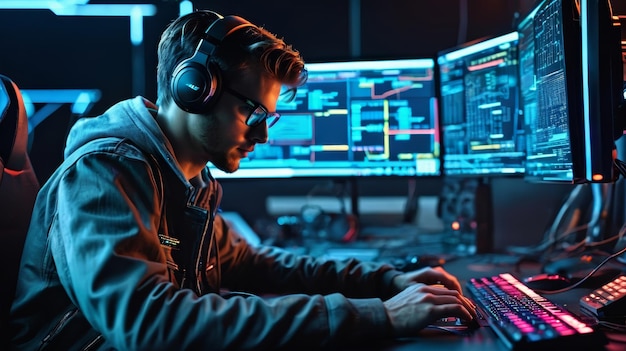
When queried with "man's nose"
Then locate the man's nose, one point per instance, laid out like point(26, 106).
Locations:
point(258, 133)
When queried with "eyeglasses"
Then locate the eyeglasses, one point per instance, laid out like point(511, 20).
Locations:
point(258, 112)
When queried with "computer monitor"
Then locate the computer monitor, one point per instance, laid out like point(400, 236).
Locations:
point(571, 90)
point(551, 92)
point(369, 118)
point(603, 82)
point(572, 85)
point(482, 131)
point(603, 116)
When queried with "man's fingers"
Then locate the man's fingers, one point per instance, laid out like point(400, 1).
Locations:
point(440, 290)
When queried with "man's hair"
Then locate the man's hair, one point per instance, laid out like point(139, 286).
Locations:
point(247, 48)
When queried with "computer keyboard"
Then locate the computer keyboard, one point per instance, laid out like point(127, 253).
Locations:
point(525, 320)
point(607, 302)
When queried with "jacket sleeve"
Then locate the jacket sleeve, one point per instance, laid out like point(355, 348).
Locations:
point(109, 260)
point(272, 270)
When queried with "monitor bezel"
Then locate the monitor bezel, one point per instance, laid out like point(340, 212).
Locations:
point(602, 74)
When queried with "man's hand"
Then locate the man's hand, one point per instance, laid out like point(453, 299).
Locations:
point(435, 276)
point(428, 276)
point(419, 305)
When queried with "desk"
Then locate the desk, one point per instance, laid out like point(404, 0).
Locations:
point(483, 339)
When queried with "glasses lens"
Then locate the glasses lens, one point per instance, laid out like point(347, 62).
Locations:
point(272, 118)
point(259, 115)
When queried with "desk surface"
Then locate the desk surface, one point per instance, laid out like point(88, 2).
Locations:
point(483, 339)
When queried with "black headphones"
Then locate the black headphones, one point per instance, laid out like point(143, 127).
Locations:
point(196, 80)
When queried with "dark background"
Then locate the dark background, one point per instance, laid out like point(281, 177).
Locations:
point(41, 50)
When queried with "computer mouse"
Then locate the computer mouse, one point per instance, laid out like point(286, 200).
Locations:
point(458, 323)
point(572, 266)
point(547, 282)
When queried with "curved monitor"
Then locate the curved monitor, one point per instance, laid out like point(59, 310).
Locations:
point(353, 119)
point(482, 131)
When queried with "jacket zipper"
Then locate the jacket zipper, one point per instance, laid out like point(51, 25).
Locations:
point(56, 328)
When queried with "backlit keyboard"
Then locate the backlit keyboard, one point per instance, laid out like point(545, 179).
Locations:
point(526, 320)
point(608, 301)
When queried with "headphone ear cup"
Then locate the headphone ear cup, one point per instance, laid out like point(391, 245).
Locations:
point(194, 86)
point(195, 83)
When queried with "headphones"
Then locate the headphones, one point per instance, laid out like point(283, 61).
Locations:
point(196, 80)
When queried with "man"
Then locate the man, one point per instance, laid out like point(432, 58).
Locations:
point(127, 251)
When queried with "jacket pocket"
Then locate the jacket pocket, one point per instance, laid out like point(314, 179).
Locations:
point(169, 245)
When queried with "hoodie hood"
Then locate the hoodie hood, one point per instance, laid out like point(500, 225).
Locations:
point(142, 130)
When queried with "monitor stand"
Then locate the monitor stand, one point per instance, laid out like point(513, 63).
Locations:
point(599, 224)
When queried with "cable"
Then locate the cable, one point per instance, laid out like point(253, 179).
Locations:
point(463, 17)
point(614, 327)
point(568, 210)
point(582, 280)
point(547, 243)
